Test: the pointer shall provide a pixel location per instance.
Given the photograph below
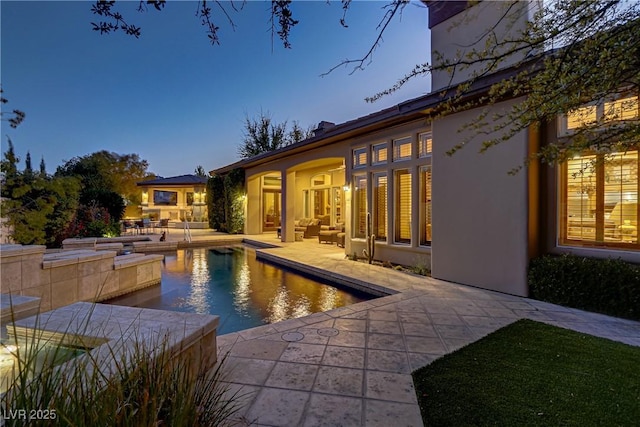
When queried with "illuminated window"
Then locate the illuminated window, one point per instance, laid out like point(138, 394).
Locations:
point(379, 154)
point(401, 149)
point(621, 109)
point(380, 206)
point(425, 206)
point(599, 200)
point(581, 116)
point(360, 206)
point(611, 110)
point(403, 206)
point(360, 157)
point(424, 144)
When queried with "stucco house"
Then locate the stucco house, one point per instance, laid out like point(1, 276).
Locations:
point(463, 214)
point(177, 198)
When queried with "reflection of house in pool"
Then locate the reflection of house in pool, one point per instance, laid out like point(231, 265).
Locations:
point(176, 198)
point(463, 215)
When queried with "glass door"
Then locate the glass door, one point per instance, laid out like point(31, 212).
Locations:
point(271, 209)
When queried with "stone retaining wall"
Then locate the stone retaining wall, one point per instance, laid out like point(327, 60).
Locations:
point(63, 278)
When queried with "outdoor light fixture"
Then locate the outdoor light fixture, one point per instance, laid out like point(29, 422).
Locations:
point(345, 188)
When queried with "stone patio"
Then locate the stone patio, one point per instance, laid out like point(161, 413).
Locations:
point(352, 366)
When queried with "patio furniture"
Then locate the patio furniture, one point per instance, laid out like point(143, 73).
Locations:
point(327, 236)
point(340, 239)
point(310, 227)
point(144, 226)
point(331, 234)
point(128, 227)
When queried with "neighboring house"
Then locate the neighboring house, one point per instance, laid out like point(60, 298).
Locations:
point(464, 214)
point(176, 198)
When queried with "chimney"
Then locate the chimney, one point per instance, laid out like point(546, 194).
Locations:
point(323, 126)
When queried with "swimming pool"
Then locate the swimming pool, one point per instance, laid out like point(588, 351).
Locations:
point(231, 283)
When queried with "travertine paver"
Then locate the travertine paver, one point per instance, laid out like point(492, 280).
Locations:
point(360, 376)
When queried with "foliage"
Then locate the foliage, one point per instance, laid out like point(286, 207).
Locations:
point(598, 57)
point(421, 267)
point(262, 135)
point(145, 384)
point(111, 201)
point(109, 171)
point(15, 117)
point(532, 374)
point(38, 207)
point(92, 220)
point(199, 171)
point(609, 286)
point(215, 202)
point(234, 195)
point(111, 20)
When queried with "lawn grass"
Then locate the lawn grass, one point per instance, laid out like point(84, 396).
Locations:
point(533, 374)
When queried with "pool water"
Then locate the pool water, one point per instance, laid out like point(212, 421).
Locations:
point(231, 283)
point(17, 353)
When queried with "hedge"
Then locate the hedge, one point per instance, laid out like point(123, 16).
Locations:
point(609, 286)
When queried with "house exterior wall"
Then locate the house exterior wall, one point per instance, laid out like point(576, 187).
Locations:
point(176, 212)
point(467, 29)
point(480, 213)
point(406, 253)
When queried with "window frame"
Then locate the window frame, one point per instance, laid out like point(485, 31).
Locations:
point(376, 149)
point(398, 202)
point(600, 106)
point(400, 142)
point(426, 207)
point(428, 147)
point(360, 195)
point(600, 224)
point(357, 153)
point(375, 199)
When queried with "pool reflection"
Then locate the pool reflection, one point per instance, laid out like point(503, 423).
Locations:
point(243, 291)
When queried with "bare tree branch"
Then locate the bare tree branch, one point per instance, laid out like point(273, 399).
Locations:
point(393, 8)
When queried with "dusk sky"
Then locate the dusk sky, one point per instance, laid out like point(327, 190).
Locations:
point(176, 100)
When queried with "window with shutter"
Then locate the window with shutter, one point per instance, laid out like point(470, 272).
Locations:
point(380, 206)
point(425, 206)
point(360, 206)
point(599, 200)
point(403, 206)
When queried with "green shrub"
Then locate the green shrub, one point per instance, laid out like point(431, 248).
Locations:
point(609, 286)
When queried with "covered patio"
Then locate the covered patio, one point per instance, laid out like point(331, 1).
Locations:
point(302, 199)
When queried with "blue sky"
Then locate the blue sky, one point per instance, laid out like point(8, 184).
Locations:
point(176, 100)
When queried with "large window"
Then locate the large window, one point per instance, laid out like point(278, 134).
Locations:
point(425, 206)
point(599, 200)
point(165, 198)
point(360, 206)
point(380, 206)
point(403, 206)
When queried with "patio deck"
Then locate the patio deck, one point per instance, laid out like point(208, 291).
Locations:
point(352, 366)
